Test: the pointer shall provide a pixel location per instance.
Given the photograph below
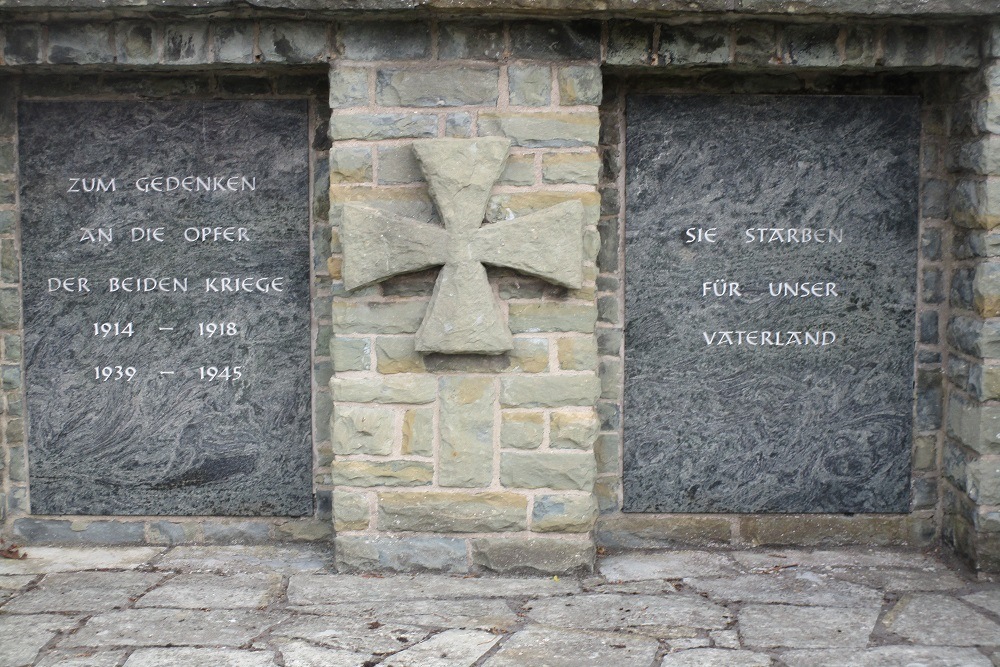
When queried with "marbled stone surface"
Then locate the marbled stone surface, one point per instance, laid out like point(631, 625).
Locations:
point(758, 427)
point(170, 444)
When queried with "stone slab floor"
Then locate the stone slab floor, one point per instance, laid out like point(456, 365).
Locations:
point(282, 605)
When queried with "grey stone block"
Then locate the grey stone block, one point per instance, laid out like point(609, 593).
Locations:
point(185, 43)
point(242, 532)
point(234, 42)
point(530, 85)
point(470, 41)
point(137, 43)
point(439, 554)
point(54, 531)
point(629, 43)
point(451, 86)
point(812, 46)
point(694, 45)
point(23, 44)
point(928, 327)
point(756, 44)
point(550, 40)
point(908, 46)
point(298, 42)
point(385, 40)
point(348, 87)
point(86, 44)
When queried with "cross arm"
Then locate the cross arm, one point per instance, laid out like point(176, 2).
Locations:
point(547, 244)
point(378, 245)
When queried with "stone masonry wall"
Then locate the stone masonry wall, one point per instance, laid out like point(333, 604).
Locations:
point(460, 462)
point(971, 462)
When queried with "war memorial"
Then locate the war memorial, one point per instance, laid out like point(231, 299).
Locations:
point(468, 286)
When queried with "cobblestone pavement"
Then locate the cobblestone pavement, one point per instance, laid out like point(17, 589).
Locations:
point(262, 606)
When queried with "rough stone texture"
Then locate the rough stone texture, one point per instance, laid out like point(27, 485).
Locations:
point(452, 512)
point(938, 620)
point(350, 510)
point(573, 430)
point(451, 648)
point(212, 591)
point(666, 565)
point(541, 129)
point(438, 87)
point(179, 627)
point(548, 470)
point(463, 315)
point(563, 513)
point(362, 430)
point(199, 657)
point(530, 85)
point(415, 554)
point(418, 433)
point(80, 592)
point(549, 391)
point(522, 430)
point(698, 409)
point(562, 648)
point(644, 614)
point(714, 657)
point(511, 555)
point(404, 388)
point(888, 656)
point(466, 457)
point(764, 626)
point(790, 588)
point(381, 473)
point(21, 637)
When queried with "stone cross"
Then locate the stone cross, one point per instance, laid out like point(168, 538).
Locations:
point(464, 314)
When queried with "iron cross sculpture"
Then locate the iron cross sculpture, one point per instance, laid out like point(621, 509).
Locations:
point(464, 314)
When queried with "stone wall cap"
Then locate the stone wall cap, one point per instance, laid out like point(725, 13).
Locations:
point(561, 9)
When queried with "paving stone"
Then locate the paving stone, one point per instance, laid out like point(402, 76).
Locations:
point(715, 657)
point(436, 614)
point(212, 591)
point(21, 637)
point(835, 558)
point(231, 559)
point(667, 565)
point(451, 648)
point(310, 590)
point(806, 588)
point(938, 620)
point(550, 647)
point(14, 582)
point(83, 591)
point(43, 560)
point(301, 654)
point(645, 614)
point(355, 632)
point(988, 600)
point(82, 658)
point(888, 656)
point(199, 657)
point(725, 638)
point(901, 580)
point(174, 627)
point(772, 626)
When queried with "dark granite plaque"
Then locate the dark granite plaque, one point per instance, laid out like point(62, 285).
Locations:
point(770, 286)
point(166, 307)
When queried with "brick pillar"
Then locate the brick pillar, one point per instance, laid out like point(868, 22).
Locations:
point(972, 450)
point(464, 462)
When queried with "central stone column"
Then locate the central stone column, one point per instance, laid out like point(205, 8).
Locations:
point(453, 459)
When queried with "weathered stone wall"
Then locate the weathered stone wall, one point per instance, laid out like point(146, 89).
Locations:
point(971, 460)
point(464, 461)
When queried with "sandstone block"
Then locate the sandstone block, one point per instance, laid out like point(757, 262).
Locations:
point(519, 170)
point(401, 388)
point(986, 289)
point(693, 45)
point(466, 431)
point(381, 473)
point(610, 371)
point(563, 513)
point(464, 41)
point(555, 40)
point(542, 129)
point(350, 354)
point(398, 164)
point(984, 480)
point(136, 43)
point(522, 430)
point(398, 355)
point(530, 355)
point(552, 316)
point(548, 470)
point(382, 126)
point(458, 125)
point(418, 432)
point(294, 42)
point(362, 430)
point(579, 85)
point(530, 85)
point(577, 354)
point(981, 156)
point(233, 42)
point(351, 165)
point(350, 511)
point(452, 512)
point(812, 46)
point(533, 555)
point(976, 204)
point(513, 205)
point(552, 391)
point(574, 429)
point(411, 554)
point(578, 168)
point(7, 159)
point(385, 40)
point(606, 452)
point(446, 86)
point(638, 531)
point(185, 43)
point(348, 87)
point(79, 44)
point(976, 426)
point(979, 338)
point(629, 43)
point(23, 44)
point(368, 317)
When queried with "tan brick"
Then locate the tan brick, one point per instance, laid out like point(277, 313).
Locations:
point(362, 430)
point(539, 391)
point(402, 388)
point(350, 511)
point(350, 165)
point(578, 168)
point(542, 129)
point(522, 430)
point(418, 432)
point(552, 316)
point(398, 355)
point(452, 512)
point(386, 318)
point(577, 354)
point(548, 470)
point(574, 430)
point(466, 458)
point(520, 170)
point(381, 473)
point(530, 355)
